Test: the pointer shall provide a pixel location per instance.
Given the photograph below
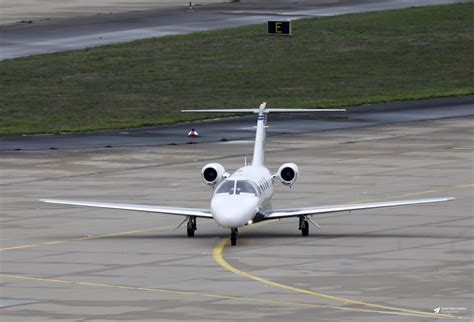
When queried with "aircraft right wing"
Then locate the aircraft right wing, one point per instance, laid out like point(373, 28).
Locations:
point(202, 213)
point(286, 213)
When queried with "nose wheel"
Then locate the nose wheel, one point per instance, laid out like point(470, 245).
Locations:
point(234, 232)
point(191, 226)
point(304, 226)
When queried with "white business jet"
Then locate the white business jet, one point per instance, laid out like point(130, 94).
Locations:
point(243, 198)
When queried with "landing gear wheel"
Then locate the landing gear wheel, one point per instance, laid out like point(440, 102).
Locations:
point(191, 226)
point(190, 232)
point(233, 236)
point(304, 226)
point(305, 229)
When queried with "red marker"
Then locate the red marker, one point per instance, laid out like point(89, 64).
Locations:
point(193, 133)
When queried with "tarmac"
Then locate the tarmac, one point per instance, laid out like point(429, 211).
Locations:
point(412, 263)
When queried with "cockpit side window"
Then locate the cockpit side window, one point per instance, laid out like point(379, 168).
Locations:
point(244, 186)
point(226, 187)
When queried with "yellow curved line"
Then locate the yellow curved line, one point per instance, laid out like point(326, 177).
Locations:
point(217, 255)
point(218, 249)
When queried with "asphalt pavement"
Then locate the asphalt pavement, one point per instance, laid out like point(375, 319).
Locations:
point(66, 263)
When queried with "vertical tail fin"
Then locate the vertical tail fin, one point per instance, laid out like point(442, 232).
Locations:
point(259, 147)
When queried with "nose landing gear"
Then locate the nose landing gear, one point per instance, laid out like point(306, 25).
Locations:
point(191, 226)
point(304, 226)
point(234, 232)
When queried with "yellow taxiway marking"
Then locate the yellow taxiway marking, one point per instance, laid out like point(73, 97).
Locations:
point(122, 233)
point(219, 259)
point(56, 242)
point(207, 295)
point(217, 255)
point(19, 247)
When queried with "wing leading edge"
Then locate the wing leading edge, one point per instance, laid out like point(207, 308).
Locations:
point(286, 213)
point(274, 214)
point(196, 212)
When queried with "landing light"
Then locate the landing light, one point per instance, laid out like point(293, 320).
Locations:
point(249, 222)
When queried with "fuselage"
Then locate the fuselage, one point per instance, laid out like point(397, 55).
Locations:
point(238, 198)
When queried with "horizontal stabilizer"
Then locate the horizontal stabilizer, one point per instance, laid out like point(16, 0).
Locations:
point(303, 110)
point(266, 111)
point(224, 110)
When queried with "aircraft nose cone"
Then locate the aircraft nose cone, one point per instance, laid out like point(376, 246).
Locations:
point(233, 211)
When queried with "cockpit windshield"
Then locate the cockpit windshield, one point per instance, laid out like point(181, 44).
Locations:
point(242, 186)
point(226, 187)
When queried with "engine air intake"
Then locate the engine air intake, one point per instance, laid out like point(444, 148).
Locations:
point(210, 174)
point(287, 174)
point(213, 173)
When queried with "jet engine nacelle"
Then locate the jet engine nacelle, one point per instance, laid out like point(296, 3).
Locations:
point(213, 173)
point(288, 173)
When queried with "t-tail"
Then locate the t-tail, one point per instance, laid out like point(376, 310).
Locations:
point(258, 158)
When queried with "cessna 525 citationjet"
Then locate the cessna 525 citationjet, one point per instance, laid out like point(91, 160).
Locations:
point(243, 198)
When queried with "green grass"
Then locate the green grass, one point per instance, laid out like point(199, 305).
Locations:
point(345, 60)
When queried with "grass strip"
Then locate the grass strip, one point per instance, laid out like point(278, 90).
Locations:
point(353, 59)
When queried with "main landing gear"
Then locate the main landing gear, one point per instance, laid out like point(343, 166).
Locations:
point(234, 232)
point(304, 226)
point(191, 226)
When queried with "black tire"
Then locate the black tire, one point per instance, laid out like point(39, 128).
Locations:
point(191, 226)
point(305, 229)
point(233, 237)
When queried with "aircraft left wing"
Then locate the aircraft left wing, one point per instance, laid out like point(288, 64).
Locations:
point(196, 212)
point(286, 213)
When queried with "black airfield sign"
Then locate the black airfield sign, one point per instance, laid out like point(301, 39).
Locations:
point(279, 28)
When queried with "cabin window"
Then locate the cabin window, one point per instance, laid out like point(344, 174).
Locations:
point(244, 186)
point(226, 187)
